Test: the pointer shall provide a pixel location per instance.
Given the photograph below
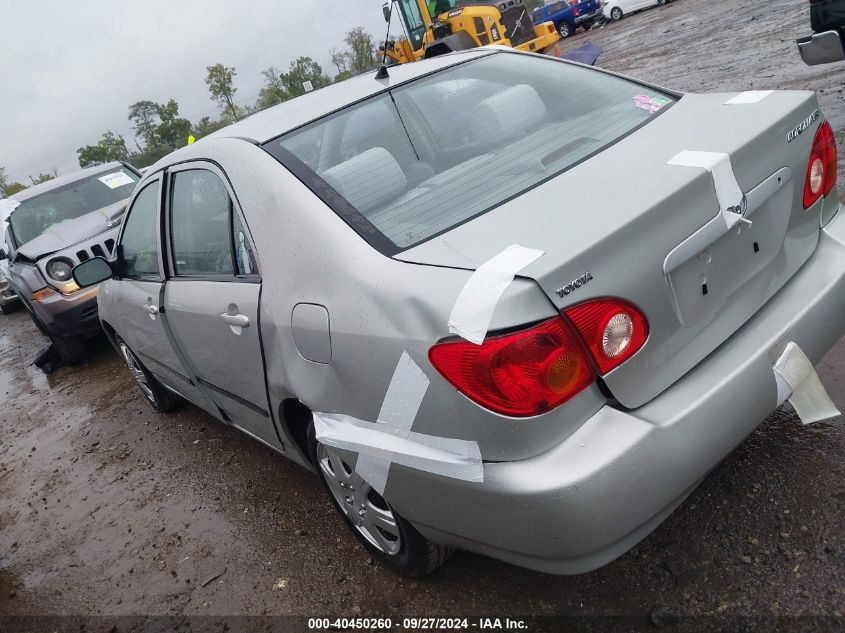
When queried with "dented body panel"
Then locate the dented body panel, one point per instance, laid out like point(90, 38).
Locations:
point(575, 487)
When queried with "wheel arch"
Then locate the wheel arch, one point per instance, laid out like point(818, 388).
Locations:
point(295, 417)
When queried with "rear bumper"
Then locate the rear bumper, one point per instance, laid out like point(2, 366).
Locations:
point(70, 316)
point(594, 496)
point(821, 48)
point(580, 19)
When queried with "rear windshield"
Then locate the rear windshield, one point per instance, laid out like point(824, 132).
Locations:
point(37, 215)
point(431, 154)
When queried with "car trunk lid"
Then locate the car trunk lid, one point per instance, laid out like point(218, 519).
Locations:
point(615, 225)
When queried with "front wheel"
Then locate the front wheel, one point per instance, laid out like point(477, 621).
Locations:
point(616, 14)
point(159, 397)
point(565, 30)
point(389, 538)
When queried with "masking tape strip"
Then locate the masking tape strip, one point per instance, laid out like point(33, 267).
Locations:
point(390, 439)
point(473, 310)
point(399, 408)
point(728, 193)
point(799, 383)
point(749, 96)
point(458, 459)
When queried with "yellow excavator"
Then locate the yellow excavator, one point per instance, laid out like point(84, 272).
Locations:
point(435, 27)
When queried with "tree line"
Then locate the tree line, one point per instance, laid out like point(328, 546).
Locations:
point(159, 129)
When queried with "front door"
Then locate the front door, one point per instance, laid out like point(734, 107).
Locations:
point(211, 298)
point(139, 291)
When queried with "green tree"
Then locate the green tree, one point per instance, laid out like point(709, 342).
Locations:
point(362, 52)
point(172, 130)
point(302, 70)
point(144, 117)
point(42, 178)
point(13, 187)
point(111, 147)
point(219, 80)
point(4, 180)
point(273, 91)
point(340, 59)
point(206, 126)
point(346, 74)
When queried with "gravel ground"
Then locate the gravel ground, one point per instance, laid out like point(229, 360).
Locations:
point(109, 509)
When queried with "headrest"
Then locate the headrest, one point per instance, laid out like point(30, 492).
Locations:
point(367, 180)
point(508, 114)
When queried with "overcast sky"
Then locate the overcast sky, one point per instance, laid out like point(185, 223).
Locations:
point(70, 70)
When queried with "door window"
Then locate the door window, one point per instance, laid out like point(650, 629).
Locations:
point(244, 255)
point(201, 212)
point(140, 246)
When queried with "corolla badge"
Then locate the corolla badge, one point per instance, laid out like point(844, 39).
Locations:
point(795, 132)
point(573, 285)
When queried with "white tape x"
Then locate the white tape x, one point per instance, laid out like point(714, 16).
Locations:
point(391, 440)
point(728, 193)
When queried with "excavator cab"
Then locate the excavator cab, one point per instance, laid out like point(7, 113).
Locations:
point(436, 27)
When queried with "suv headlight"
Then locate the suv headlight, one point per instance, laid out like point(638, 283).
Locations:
point(59, 269)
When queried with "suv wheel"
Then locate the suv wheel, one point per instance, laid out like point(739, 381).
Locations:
point(161, 398)
point(616, 14)
point(565, 30)
point(389, 538)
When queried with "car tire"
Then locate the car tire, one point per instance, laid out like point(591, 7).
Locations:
point(415, 556)
point(565, 30)
point(616, 14)
point(160, 397)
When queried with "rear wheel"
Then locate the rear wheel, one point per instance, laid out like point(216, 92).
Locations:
point(616, 14)
point(389, 538)
point(159, 397)
point(565, 30)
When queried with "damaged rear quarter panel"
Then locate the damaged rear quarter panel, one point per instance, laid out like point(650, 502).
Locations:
point(378, 306)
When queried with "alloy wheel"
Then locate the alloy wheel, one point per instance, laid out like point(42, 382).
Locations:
point(136, 371)
point(367, 510)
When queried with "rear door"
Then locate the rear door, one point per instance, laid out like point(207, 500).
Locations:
point(212, 295)
point(139, 291)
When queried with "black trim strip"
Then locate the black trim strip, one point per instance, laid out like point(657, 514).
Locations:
point(241, 401)
point(336, 202)
point(169, 370)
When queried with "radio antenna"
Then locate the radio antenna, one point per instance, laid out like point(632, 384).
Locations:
point(382, 70)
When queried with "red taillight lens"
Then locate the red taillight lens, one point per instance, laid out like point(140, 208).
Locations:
point(614, 330)
point(575, 11)
point(822, 167)
point(520, 374)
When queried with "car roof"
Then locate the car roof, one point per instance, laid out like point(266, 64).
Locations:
point(289, 115)
point(60, 181)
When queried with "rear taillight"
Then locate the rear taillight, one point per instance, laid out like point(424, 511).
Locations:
point(575, 11)
point(822, 166)
point(520, 374)
point(613, 330)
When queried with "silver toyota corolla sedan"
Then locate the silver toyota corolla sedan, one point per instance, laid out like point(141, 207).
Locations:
point(497, 301)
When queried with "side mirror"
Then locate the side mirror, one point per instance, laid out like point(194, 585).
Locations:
point(92, 272)
point(385, 8)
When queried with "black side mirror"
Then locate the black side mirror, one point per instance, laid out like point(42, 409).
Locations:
point(385, 8)
point(92, 272)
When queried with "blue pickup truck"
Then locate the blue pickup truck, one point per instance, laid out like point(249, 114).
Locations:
point(568, 15)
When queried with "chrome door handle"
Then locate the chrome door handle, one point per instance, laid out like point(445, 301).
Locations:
point(151, 309)
point(235, 320)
